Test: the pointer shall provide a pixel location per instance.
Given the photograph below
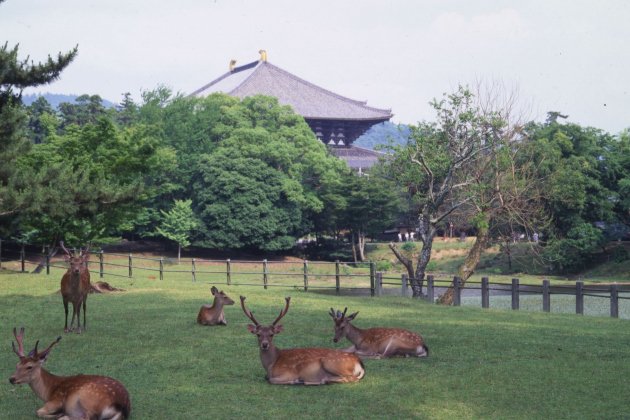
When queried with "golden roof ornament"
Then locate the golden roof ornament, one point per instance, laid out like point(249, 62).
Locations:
point(232, 65)
point(263, 55)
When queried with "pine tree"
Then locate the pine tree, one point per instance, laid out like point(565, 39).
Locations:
point(178, 224)
point(20, 189)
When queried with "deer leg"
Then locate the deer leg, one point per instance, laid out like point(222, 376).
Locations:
point(367, 355)
point(74, 313)
point(84, 311)
point(352, 349)
point(279, 381)
point(79, 318)
point(50, 410)
point(222, 319)
point(65, 305)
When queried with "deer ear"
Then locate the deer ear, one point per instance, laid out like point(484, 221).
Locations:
point(86, 257)
point(351, 317)
point(66, 258)
point(252, 328)
point(214, 290)
point(278, 329)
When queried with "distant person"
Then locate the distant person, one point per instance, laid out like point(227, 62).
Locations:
point(411, 236)
point(535, 236)
point(406, 236)
point(463, 236)
point(444, 236)
point(399, 237)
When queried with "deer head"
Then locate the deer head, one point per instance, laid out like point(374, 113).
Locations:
point(342, 323)
point(221, 297)
point(76, 262)
point(265, 334)
point(29, 366)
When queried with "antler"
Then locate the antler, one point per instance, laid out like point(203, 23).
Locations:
point(282, 313)
point(19, 341)
point(249, 314)
point(64, 248)
point(86, 250)
point(339, 314)
point(46, 350)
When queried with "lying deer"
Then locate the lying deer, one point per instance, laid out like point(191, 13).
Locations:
point(75, 286)
point(70, 397)
point(307, 366)
point(214, 315)
point(377, 343)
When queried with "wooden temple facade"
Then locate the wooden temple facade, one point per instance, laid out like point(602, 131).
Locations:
point(337, 121)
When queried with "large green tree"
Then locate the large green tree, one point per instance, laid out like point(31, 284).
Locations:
point(22, 189)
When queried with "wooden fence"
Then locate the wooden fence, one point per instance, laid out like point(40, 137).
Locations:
point(307, 272)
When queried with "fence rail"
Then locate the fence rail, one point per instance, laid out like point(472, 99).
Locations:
point(307, 276)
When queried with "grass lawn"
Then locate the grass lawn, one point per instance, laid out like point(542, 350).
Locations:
point(484, 364)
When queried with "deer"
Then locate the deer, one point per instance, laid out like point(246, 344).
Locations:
point(75, 286)
point(377, 343)
point(70, 397)
point(301, 366)
point(214, 315)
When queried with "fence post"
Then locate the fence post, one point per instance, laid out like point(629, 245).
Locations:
point(379, 285)
point(130, 265)
point(337, 285)
point(192, 262)
point(430, 289)
point(265, 273)
point(546, 296)
point(372, 277)
point(579, 298)
point(485, 293)
point(404, 285)
point(457, 296)
point(229, 275)
point(0, 253)
point(100, 260)
point(515, 295)
point(305, 276)
point(161, 268)
point(23, 255)
point(614, 301)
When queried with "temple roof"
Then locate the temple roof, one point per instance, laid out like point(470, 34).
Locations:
point(306, 99)
point(358, 157)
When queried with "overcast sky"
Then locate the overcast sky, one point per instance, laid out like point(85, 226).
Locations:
point(567, 56)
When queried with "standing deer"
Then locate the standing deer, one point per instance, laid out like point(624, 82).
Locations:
point(307, 366)
point(70, 397)
point(75, 286)
point(377, 343)
point(214, 315)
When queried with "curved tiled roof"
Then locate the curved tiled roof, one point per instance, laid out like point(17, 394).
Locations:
point(358, 157)
point(305, 98)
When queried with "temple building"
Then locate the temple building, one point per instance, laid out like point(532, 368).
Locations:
point(337, 121)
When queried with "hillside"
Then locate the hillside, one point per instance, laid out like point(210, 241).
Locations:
point(54, 99)
point(380, 133)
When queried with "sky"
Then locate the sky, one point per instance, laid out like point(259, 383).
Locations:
point(566, 56)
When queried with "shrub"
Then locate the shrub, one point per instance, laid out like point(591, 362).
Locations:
point(409, 246)
point(431, 266)
point(620, 254)
point(384, 265)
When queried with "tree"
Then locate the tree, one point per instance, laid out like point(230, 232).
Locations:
point(371, 203)
point(177, 225)
point(21, 189)
point(504, 184)
point(36, 127)
point(432, 168)
point(87, 110)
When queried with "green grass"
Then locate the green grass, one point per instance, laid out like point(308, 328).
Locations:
point(484, 364)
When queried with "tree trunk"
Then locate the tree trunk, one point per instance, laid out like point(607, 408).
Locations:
point(468, 268)
point(179, 254)
point(417, 281)
point(404, 260)
point(361, 235)
point(354, 249)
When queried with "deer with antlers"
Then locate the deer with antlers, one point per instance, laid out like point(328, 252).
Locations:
point(305, 366)
point(71, 397)
point(377, 343)
point(214, 315)
point(75, 286)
